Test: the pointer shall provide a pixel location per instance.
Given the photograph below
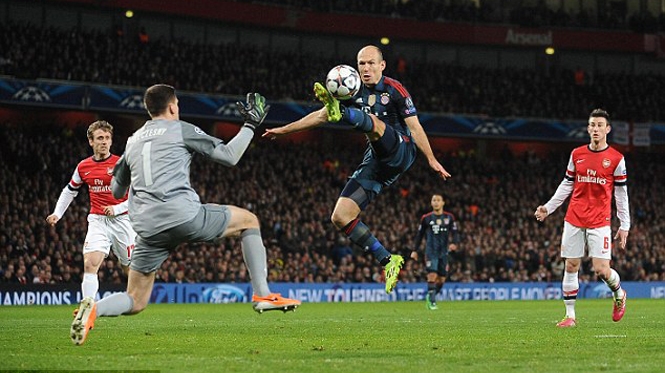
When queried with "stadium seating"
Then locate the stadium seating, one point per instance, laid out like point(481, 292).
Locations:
point(29, 52)
point(493, 199)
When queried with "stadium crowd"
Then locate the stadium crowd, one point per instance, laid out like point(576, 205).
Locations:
point(613, 16)
point(29, 52)
point(293, 193)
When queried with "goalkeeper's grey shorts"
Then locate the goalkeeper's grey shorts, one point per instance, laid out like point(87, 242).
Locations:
point(209, 224)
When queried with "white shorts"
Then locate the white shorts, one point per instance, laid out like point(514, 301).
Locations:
point(110, 233)
point(574, 240)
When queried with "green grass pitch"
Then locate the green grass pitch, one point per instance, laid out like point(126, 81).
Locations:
point(470, 336)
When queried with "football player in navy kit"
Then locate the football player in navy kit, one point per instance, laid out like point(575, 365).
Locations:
point(437, 227)
point(384, 111)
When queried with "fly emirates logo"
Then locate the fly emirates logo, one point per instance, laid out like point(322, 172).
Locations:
point(99, 187)
point(591, 177)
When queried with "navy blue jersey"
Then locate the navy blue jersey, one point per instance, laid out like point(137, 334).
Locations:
point(392, 104)
point(437, 230)
point(389, 101)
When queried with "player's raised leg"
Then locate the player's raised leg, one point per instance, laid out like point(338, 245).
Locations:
point(331, 103)
point(357, 118)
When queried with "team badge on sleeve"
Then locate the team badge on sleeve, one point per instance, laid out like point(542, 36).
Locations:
point(410, 109)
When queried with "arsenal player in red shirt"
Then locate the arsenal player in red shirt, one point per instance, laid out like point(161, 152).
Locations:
point(108, 221)
point(594, 172)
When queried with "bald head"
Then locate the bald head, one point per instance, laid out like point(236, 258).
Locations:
point(371, 50)
point(371, 65)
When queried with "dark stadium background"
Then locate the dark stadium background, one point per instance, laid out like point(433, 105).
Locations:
point(473, 59)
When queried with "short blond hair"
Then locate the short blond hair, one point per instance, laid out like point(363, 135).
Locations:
point(97, 125)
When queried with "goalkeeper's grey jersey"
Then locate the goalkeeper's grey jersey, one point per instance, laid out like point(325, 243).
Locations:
point(156, 167)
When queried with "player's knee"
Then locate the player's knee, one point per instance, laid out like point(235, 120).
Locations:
point(342, 218)
point(572, 266)
point(90, 268)
point(252, 220)
point(92, 262)
point(338, 220)
point(247, 220)
point(602, 272)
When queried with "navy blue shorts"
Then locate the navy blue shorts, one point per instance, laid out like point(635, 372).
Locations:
point(376, 173)
point(437, 263)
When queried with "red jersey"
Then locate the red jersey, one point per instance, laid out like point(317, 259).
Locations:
point(97, 175)
point(594, 175)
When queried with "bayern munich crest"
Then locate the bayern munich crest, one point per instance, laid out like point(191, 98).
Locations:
point(385, 99)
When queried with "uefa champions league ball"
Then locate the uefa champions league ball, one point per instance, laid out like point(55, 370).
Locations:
point(343, 82)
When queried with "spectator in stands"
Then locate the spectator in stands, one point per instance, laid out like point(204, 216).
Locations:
point(501, 188)
point(442, 87)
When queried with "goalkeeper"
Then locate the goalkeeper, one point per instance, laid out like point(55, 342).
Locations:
point(165, 211)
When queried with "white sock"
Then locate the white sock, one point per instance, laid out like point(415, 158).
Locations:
point(614, 283)
point(570, 287)
point(90, 285)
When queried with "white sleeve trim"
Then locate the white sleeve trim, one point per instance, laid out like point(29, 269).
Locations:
point(623, 209)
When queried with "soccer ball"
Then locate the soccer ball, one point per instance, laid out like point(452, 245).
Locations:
point(343, 82)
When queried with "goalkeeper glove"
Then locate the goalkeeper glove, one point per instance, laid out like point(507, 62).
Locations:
point(254, 110)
